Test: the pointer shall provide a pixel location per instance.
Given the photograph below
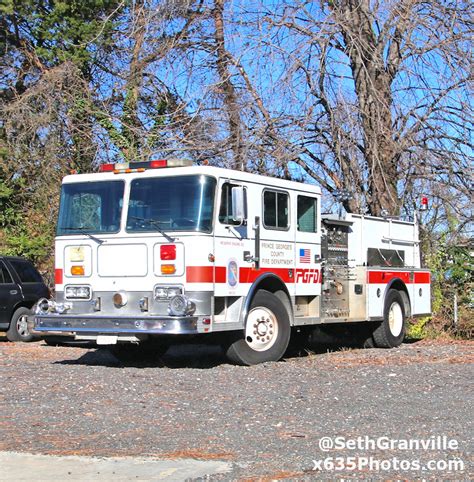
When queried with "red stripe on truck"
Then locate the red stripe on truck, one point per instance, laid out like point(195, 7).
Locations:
point(424, 278)
point(249, 275)
point(384, 277)
point(408, 277)
point(205, 274)
point(218, 274)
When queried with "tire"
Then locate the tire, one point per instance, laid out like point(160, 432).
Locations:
point(391, 332)
point(18, 330)
point(267, 332)
point(368, 342)
point(132, 352)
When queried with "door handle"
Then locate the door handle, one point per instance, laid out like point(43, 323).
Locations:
point(13, 292)
point(248, 257)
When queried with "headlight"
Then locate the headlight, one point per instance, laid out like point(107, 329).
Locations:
point(77, 292)
point(166, 292)
point(42, 306)
point(180, 305)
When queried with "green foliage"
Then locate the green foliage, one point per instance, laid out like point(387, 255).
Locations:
point(416, 331)
point(116, 136)
point(8, 213)
point(17, 237)
point(62, 30)
point(452, 275)
point(21, 242)
point(6, 7)
point(37, 38)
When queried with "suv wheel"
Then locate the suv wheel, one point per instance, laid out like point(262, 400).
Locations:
point(18, 330)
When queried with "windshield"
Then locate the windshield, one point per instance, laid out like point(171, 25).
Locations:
point(90, 207)
point(179, 203)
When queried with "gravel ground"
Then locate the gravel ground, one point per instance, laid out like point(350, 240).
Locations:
point(266, 420)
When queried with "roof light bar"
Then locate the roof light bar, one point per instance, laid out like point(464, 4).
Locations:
point(106, 168)
point(158, 163)
point(126, 167)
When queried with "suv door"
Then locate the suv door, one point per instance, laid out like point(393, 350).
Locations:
point(30, 280)
point(10, 296)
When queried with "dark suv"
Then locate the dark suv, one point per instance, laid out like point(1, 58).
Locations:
point(20, 288)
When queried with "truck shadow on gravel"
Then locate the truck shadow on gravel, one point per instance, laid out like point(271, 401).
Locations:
point(186, 356)
point(202, 356)
point(178, 356)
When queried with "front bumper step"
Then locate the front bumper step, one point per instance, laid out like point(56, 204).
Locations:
point(58, 324)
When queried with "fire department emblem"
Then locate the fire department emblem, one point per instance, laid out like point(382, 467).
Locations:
point(232, 273)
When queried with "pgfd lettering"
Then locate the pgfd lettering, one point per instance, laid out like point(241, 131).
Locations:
point(311, 275)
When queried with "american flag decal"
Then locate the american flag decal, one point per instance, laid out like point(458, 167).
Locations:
point(305, 256)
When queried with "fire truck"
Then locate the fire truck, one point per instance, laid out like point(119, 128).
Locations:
point(148, 253)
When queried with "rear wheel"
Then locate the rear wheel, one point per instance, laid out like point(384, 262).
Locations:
point(18, 330)
point(391, 332)
point(267, 332)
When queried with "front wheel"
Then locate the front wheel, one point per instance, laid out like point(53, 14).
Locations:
point(391, 332)
point(18, 330)
point(267, 332)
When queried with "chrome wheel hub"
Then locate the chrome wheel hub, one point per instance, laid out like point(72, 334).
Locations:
point(262, 329)
point(395, 319)
point(22, 326)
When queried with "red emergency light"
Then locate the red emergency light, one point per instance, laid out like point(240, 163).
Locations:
point(158, 163)
point(168, 252)
point(125, 167)
point(106, 167)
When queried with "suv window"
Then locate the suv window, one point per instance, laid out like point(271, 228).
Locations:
point(5, 277)
point(26, 271)
point(307, 214)
point(275, 210)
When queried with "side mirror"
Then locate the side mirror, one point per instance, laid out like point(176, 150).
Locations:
point(238, 204)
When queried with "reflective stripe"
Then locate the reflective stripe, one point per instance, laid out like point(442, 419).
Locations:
point(408, 277)
point(423, 278)
point(218, 274)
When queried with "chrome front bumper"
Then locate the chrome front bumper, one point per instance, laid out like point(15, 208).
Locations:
point(67, 324)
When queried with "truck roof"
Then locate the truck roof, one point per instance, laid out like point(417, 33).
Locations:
point(216, 172)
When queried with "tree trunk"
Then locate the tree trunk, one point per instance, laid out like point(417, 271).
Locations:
point(373, 89)
point(228, 89)
point(131, 121)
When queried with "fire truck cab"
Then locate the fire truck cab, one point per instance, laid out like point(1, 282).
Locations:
point(148, 252)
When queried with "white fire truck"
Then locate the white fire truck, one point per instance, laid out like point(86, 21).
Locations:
point(148, 252)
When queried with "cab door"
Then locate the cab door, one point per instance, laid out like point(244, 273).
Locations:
point(232, 240)
point(10, 296)
point(308, 275)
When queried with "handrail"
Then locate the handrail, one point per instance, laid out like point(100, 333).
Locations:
point(402, 241)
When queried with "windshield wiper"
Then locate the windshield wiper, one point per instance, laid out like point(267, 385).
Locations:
point(155, 224)
point(83, 231)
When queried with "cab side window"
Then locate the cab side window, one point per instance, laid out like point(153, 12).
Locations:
point(225, 209)
point(307, 214)
point(275, 210)
point(5, 277)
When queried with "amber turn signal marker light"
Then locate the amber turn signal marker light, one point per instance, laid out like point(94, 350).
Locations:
point(77, 270)
point(168, 269)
